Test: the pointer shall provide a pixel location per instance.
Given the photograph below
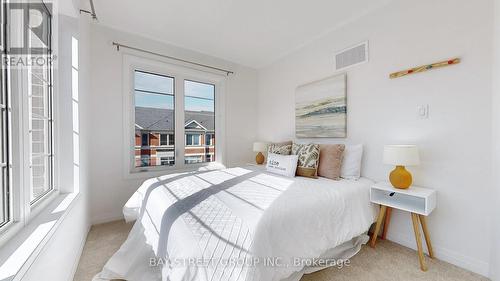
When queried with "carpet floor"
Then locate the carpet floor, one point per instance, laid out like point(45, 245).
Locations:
point(389, 261)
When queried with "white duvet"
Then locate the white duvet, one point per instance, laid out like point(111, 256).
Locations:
point(239, 224)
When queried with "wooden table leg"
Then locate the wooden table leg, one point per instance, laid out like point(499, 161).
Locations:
point(416, 228)
point(423, 222)
point(387, 221)
point(377, 226)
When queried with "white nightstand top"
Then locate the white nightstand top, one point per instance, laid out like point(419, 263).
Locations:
point(256, 165)
point(419, 200)
point(412, 190)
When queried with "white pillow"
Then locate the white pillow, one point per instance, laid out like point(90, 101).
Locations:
point(284, 165)
point(351, 164)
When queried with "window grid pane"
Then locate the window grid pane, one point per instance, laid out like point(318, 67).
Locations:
point(40, 115)
point(5, 199)
point(154, 119)
point(199, 106)
point(4, 160)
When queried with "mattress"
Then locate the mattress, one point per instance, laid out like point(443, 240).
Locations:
point(239, 224)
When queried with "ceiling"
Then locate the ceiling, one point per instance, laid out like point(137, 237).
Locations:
point(253, 33)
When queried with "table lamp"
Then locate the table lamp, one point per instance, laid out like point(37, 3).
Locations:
point(401, 156)
point(259, 147)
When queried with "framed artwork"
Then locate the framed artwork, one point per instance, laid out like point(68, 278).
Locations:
point(321, 109)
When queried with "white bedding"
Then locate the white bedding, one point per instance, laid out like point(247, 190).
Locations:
point(223, 225)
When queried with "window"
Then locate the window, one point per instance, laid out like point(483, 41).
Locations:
point(41, 121)
point(193, 139)
point(166, 139)
point(154, 111)
point(163, 139)
point(209, 140)
point(26, 114)
point(145, 140)
point(199, 114)
point(193, 159)
point(167, 160)
point(5, 191)
point(177, 107)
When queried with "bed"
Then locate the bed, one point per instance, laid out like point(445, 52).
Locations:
point(240, 224)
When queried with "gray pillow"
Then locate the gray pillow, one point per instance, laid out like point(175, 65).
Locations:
point(282, 148)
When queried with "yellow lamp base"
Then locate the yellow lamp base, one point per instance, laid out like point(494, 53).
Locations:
point(400, 178)
point(259, 158)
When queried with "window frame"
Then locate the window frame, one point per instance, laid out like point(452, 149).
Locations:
point(192, 134)
point(211, 142)
point(6, 128)
point(23, 209)
point(165, 136)
point(161, 159)
point(195, 156)
point(51, 124)
point(171, 140)
point(147, 140)
point(180, 73)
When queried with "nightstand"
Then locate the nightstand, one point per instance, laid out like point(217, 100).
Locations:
point(419, 201)
point(256, 165)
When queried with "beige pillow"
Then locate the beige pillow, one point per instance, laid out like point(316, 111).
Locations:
point(330, 160)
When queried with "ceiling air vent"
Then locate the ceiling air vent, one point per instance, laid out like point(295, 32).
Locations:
point(351, 56)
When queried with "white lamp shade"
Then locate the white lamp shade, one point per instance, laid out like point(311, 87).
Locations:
point(259, 146)
point(401, 155)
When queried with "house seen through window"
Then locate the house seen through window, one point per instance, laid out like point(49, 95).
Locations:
point(154, 96)
point(199, 115)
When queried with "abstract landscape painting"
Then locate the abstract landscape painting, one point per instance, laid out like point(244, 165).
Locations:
point(321, 109)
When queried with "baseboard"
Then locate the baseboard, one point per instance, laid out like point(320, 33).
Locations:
point(106, 218)
point(80, 252)
point(444, 254)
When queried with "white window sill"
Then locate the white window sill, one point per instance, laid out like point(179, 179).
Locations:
point(17, 255)
point(160, 171)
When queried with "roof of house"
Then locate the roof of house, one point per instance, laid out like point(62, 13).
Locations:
point(156, 119)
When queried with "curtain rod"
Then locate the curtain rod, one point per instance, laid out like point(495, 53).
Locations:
point(118, 46)
point(92, 12)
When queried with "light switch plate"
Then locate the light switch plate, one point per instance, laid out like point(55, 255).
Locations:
point(423, 111)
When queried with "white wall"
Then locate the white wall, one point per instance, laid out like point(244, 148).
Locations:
point(110, 189)
point(66, 244)
point(455, 141)
point(495, 252)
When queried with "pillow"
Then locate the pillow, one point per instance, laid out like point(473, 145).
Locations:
point(283, 148)
point(351, 164)
point(330, 160)
point(308, 159)
point(284, 165)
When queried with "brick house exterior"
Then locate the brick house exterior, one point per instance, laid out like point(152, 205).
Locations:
point(155, 139)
